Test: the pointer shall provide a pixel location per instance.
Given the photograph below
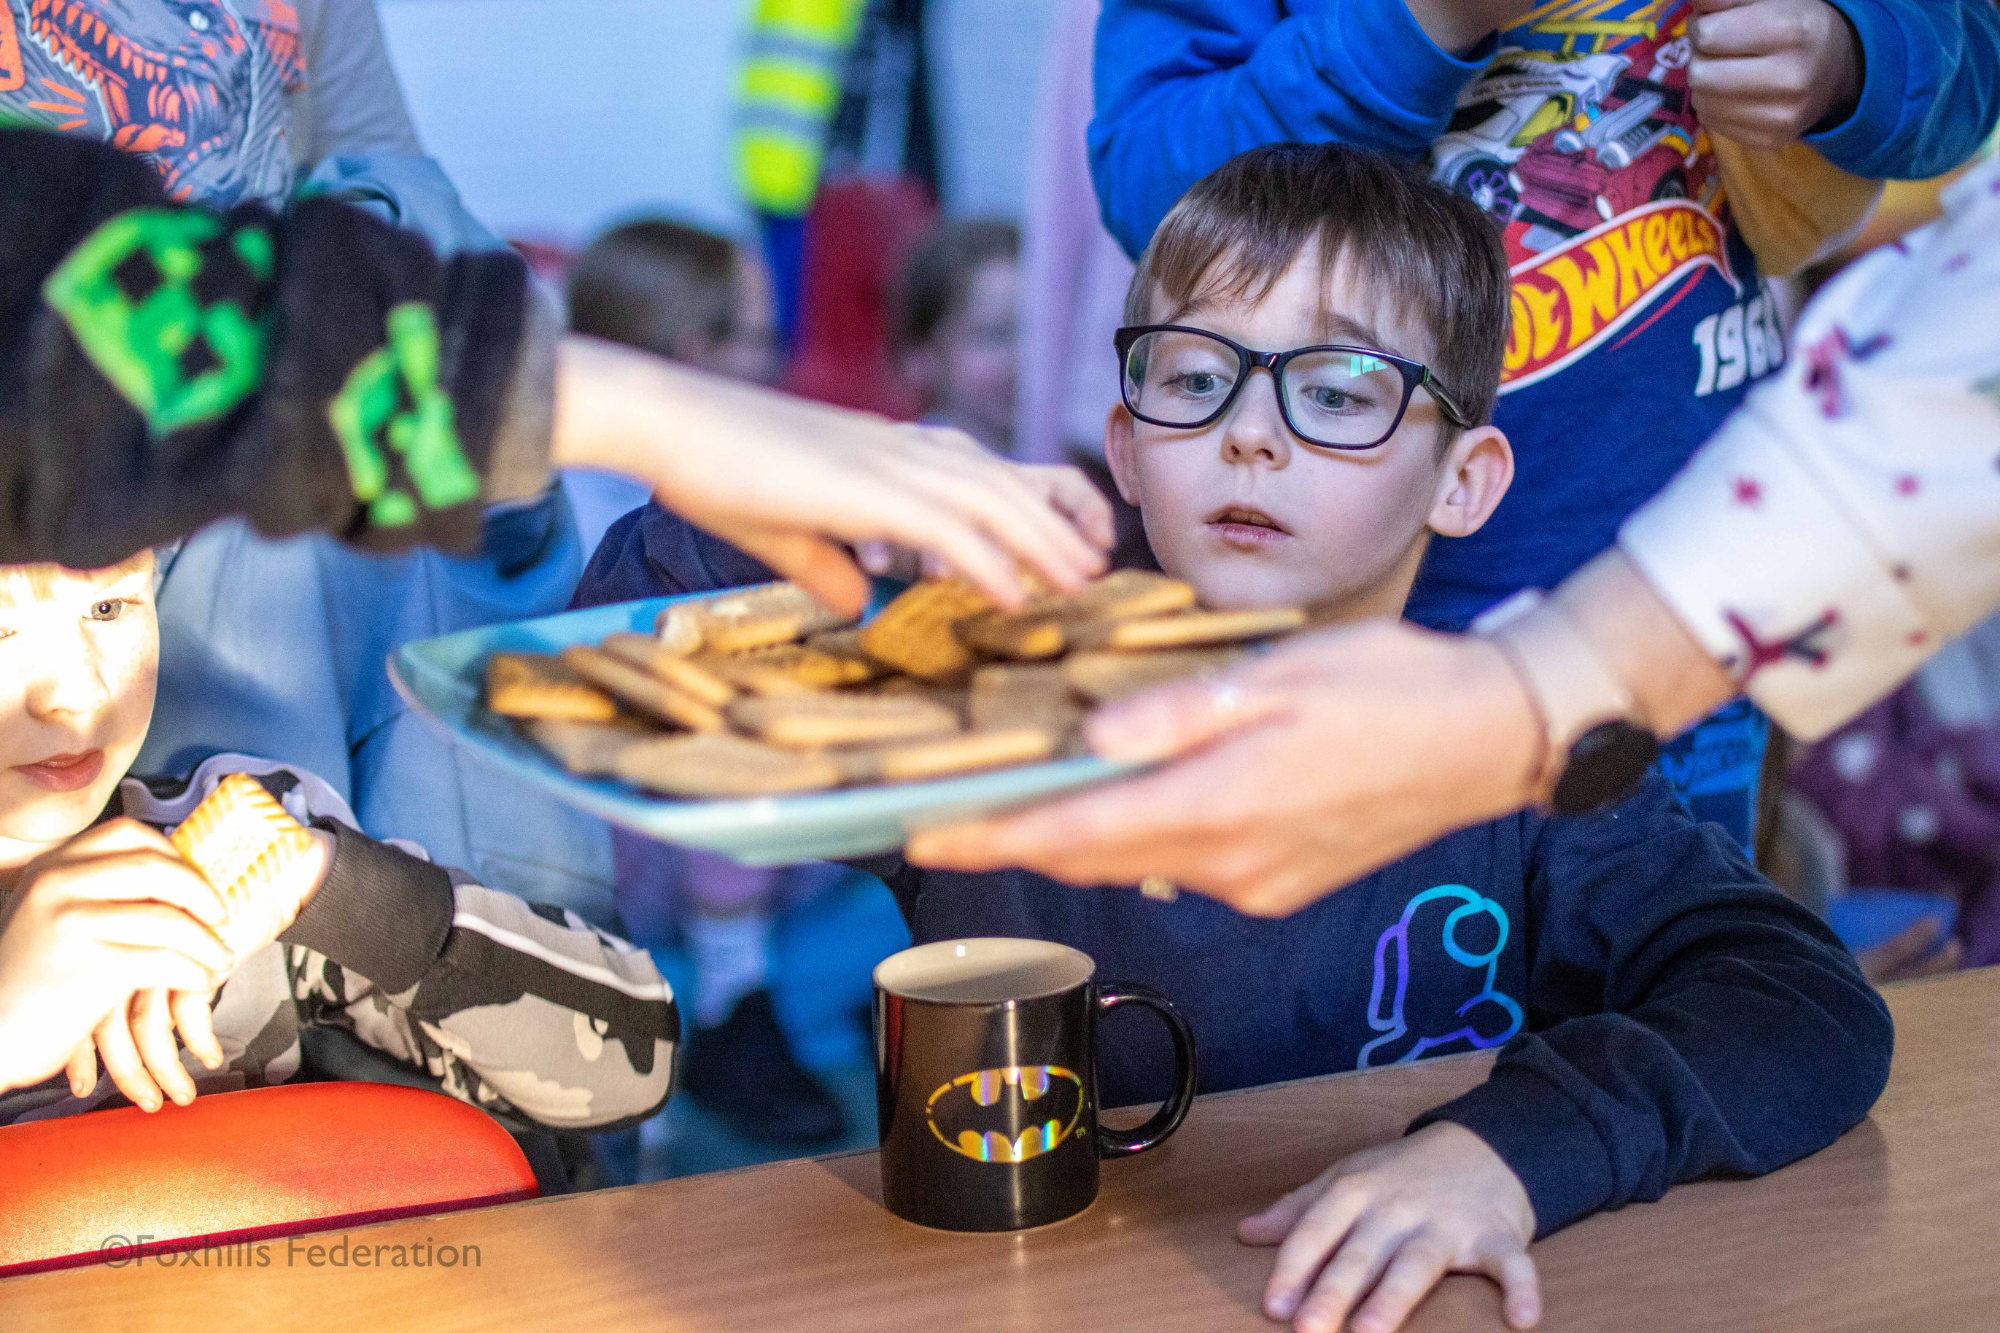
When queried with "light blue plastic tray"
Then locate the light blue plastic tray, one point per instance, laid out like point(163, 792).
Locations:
point(441, 678)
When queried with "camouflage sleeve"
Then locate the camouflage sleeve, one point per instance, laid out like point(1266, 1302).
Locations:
point(523, 1010)
point(163, 365)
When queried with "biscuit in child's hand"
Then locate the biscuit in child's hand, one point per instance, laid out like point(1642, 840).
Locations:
point(253, 853)
point(1103, 677)
point(641, 689)
point(531, 685)
point(915, 632)
point(753, 618)
point(816, 720)
point(720, 765)
point(1191, 628)
point(588, 749)
point(688, 676)
point(1046, 626)
point(790, 668)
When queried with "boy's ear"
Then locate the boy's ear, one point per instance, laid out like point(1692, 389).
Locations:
point(1478, 470)
point(1118, 457)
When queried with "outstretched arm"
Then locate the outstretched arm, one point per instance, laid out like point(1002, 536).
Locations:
point(1693, 1020)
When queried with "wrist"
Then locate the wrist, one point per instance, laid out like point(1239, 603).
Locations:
point(1514, 739)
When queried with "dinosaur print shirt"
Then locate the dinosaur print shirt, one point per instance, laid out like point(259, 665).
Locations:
point(522, 1010)
point(1660, 1011)
point(197, 87)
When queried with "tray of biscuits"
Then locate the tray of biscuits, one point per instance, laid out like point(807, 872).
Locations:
point(758, 724)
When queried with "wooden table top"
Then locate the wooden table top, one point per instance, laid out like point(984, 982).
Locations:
point(1895, 1226)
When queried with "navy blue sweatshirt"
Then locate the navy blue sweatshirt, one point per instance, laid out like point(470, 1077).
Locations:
point(1661, 1011)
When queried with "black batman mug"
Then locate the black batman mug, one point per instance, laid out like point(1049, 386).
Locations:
point(986, 1082)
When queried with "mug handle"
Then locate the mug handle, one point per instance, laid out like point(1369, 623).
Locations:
point(1129, 1142)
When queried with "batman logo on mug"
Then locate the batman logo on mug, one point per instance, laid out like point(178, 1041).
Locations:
point(1006, 1115)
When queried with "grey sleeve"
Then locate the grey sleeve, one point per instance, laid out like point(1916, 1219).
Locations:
point(350, 103)
point(526, 1011)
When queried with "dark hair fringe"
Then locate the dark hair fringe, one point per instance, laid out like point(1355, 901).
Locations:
point(937, 276)
point(1239, 228)
point(650, 282)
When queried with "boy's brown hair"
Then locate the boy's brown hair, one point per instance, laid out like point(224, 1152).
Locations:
point(938, 275)
point(1238, 229)
point(649, 283)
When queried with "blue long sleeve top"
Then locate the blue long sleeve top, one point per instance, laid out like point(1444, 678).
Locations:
point(1184, 85)
point(1639, 318)
point(1661, 1011)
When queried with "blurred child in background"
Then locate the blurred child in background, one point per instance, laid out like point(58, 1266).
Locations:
point(682, 293)
point(699, 298)
point(956, 328)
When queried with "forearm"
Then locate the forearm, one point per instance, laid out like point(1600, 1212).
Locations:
point(1674, 682)
point(1614, 1108)
point(1930, 92)
point(111, 440)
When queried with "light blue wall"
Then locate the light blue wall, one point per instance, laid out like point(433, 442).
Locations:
point(554, 116)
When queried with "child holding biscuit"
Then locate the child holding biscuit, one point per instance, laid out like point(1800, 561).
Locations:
point(1312, 354)
point(110, 940)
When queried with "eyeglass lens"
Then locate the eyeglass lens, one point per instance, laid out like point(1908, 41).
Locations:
point(1342, 398)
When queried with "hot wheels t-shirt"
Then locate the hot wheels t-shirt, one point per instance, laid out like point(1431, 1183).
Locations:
point(1639, 318)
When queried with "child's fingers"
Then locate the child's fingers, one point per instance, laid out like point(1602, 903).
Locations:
point(146, 874)
point(1077, 498)
point(155, 926)
point(195, 1017)
point(153, 1036)
point(122, 1062)
point(1354, 1268)
point(141, 968)
point(1317, 1235)
point(83, 1070)
point(1520, 1285)
point(1419, 1263)
point(1276, 1222)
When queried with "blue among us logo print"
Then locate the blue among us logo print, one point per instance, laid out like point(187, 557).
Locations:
point(1448, 941)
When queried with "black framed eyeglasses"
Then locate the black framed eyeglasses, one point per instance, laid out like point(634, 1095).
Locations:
point(1335, 397)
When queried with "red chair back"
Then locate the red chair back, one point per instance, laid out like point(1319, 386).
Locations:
point(244, 1166)
point(857, 236)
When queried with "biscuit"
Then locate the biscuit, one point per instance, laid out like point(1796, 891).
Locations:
point(1191, 628)
point(967, 753)
point(1044, 628)
point(641, 689)
point(752, 618)
point(719, 765)
point(914, 633)
point(531, 685)
point(249, 848)
point(814, 720)
point(688, 676)
point(1103, 677)
point(789, 668)
point(1037, 696)
point(842, 642)
point(587, 749)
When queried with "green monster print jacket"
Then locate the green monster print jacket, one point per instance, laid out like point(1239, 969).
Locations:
point(163, 365)
point(521, 1009)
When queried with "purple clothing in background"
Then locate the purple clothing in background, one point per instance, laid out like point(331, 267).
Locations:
point(1073, 275)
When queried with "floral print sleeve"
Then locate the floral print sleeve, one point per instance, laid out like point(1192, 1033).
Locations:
point(1846, 522)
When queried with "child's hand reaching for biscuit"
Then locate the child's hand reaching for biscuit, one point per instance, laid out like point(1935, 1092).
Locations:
point(1364, 1243)
point(112, 911)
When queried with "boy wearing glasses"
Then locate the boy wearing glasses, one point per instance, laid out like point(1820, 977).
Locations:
point(1313, 350)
